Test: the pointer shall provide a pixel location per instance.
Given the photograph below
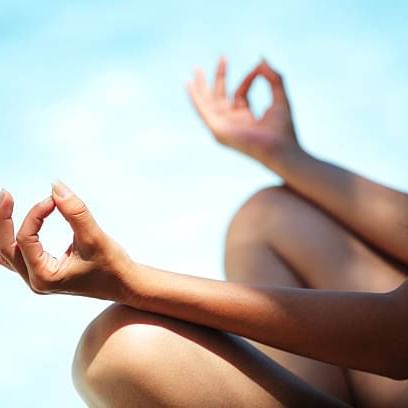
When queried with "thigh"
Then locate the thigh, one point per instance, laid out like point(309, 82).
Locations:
point(131, 358)
point(326, 255)
point(319, 250)
point(250, 259)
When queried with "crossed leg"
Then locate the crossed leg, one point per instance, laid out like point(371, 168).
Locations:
point(128, 358)
point(278, 238)
point(132, 358)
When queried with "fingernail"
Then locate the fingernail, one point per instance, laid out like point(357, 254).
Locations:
point(47, 200)
point(60, 189)
point(2, 194)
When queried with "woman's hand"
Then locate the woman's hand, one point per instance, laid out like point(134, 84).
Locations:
point(92, 264)
point(233, 123)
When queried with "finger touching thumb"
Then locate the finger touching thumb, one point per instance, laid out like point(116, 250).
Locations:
point(73, 209)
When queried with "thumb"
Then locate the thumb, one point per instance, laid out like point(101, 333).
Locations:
point(74, 210)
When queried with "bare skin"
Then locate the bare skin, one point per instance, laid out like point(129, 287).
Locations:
point(346, 249)
point(284, 222)
point(306, 277)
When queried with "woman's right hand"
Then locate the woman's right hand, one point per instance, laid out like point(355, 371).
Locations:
point(93, 265)
point(232, 122)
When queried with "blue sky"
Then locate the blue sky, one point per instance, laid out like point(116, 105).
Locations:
point(92, 92)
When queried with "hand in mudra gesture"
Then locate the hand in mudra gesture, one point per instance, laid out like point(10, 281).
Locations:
point(233, 123)
point(91, 263)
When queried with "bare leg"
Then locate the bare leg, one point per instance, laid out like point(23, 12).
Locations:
point(129, 358)
point(279, 238)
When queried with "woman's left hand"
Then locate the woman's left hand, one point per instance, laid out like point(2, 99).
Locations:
point(268, 139)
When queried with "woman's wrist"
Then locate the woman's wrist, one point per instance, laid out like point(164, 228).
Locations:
point(132, 278)
point(286, 160)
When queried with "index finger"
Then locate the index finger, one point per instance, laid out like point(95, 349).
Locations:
point(28, 239)
point(241, 94)
point(275, 81)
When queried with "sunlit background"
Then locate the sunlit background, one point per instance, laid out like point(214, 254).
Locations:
point(93, 93)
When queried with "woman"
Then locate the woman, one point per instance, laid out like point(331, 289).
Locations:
point(315, 269)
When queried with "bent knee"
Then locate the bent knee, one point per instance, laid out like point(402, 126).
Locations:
point(116, 360)
point(117, 346)
point(253, 220)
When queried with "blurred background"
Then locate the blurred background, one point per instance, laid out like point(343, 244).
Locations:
point(93, 93)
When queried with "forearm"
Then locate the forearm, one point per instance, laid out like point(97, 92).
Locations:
point(356, 330)
point(377, 213)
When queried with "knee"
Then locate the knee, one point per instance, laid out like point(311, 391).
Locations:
point(115, 355)
point(127, 357)
point(253, 221)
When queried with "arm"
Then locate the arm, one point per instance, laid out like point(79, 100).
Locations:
point(358, 330)
point(363, 331)
point(376, 213)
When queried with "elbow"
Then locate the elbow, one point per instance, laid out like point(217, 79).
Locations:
point(400, 376)
point(397, 359)
point(391, 354)
point(397, 372)
point(392, 364)
point(396, 365)
point(389, 362)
